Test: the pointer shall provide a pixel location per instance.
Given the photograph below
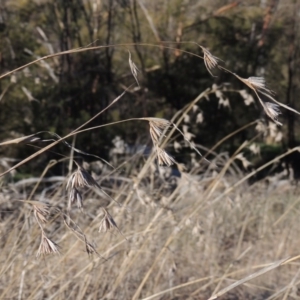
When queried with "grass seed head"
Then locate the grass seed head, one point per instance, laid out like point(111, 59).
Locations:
point(164, 158)
point(75, 196)
point(47, 246)
point(107, 222)
point(257, 84)
point(210, 60)
point(133, 68)
point(157, 127)
point(41, 212)
point(273, 111)
point(90, 248)
point(81, 178)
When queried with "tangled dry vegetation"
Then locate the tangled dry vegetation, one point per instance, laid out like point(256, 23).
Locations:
point(100, 233)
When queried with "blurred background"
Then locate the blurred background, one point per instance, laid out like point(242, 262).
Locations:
point(252, 38)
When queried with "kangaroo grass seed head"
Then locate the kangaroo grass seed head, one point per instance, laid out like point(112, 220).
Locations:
point(210, 60)
point(107, 223)
point(75, 196)
point(47, 246)
point(257, 83)
point(164, 158)
point(273, 111)
point(159, 122)
point(89, 247)
point(246, 163)
point(41, 212)
point(81, 178)
point(254, 83)
point(157, 127)
point(133, 68)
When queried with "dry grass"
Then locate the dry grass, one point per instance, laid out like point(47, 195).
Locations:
point(170, 252)
point(205, 235)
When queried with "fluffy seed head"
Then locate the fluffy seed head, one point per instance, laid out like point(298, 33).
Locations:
point(255, 83)
point(273, 111)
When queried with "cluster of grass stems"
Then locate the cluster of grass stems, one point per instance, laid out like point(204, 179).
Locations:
point(209, 236)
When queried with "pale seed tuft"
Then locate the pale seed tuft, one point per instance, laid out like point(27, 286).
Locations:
point(163, 157)
point(75, 196)
point(273, 111)
point(41, 212)
point(107, 222)
point(133, 68)
point(157, 127)
point(47, 246)
point(81, 178)
point(210, 60)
